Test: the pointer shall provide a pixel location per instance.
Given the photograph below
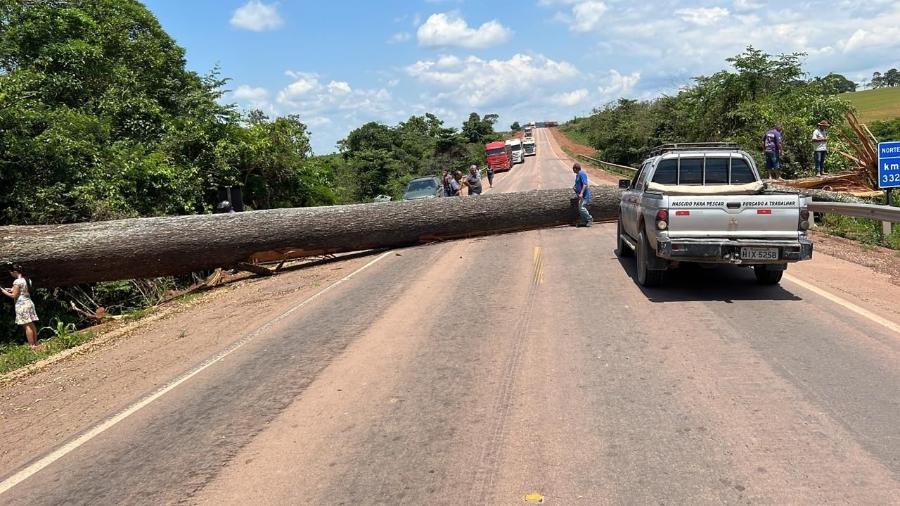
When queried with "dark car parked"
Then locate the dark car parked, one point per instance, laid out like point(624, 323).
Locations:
point(424, 188)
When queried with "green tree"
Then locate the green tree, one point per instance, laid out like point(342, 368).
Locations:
point(479, 129)
point(379, 159)
point(835, 83)
point(886, 130)
point(735, 105)
point(515, 127)
point(96, 106)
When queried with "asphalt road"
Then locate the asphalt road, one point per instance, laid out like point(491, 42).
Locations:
point(480, 371)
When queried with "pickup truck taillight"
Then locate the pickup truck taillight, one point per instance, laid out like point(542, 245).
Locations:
point(662, 219)
point(804, 219)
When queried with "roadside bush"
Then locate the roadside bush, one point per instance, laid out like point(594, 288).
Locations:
point(736, 105)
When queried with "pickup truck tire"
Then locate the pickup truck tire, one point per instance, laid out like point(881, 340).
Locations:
point(645, 276)
point(766, 276)
point(622, 248)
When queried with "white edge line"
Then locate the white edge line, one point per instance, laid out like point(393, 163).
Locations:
point(67, 448)
point(846, 304)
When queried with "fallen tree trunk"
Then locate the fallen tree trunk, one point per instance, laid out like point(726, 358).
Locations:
point(818, 195)
point(60, 255)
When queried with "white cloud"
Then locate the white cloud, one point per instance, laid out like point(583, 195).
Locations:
point(475, 82)
point(253, 97)
point(617, 85)
point(746, 5)
point(587, 15)
point(450, 29)
point(317, 121)
point(865, 39)
point(703, 16)
point(332, 108)
point(399, 37)
point(570, 98)
point(583, 15)
point(257, 16)
point(303, 84)
point(250, 93)
point(339, 88)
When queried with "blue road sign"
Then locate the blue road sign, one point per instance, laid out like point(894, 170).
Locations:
point(889, 164)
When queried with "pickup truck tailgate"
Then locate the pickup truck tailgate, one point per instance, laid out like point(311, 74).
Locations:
point(734, 216)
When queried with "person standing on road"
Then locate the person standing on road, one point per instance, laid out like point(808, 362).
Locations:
point(773, 149)
point(445, 181)
point(473, 181)
point(25, 313)
point(584, 195)
point(490, 175)
point(820, 141)
point(455, 185)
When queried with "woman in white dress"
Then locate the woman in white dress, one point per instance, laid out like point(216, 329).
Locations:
point(25, 313)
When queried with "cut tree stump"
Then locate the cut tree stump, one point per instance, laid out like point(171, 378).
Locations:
point(60, 255)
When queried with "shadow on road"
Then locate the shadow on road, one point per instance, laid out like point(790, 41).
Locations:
point(694, 283)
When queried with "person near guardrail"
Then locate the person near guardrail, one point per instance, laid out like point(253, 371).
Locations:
point(583, 190)
point(773, 147)
point(25, 312)
point(820, 141)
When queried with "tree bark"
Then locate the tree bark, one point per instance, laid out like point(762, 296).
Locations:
point(60, 255)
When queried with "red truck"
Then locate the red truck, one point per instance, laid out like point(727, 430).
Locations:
point(497, 156)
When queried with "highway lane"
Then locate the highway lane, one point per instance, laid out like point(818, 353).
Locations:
point(479, 371)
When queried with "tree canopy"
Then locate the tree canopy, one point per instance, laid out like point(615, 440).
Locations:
point(889, 79)
point(100, 119)
point(380, 160)
point(735, 105)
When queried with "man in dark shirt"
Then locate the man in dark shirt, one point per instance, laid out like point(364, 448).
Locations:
point(773, 147)
point(473, 181)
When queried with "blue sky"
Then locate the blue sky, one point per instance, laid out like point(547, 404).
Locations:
point(341, 63)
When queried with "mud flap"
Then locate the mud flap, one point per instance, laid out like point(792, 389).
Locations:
point(656, 263)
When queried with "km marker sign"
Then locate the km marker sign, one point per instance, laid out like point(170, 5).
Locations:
point(889, 164)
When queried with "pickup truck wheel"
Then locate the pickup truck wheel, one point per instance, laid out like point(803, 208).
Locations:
point(645, 276)
point(622, 248)
point(767, 276)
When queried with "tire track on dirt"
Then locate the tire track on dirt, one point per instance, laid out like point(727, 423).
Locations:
point(491, 454)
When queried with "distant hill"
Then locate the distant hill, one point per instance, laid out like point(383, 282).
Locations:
point(880, 104)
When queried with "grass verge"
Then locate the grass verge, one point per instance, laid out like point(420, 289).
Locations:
point(880, 104)
point(861, 230)
point(608, 169)
point(575, 135)
point(15, 356)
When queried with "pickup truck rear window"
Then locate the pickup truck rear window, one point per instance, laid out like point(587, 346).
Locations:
point(666, 172)
point(740, 172)
point(716, 171)
point(692, 171)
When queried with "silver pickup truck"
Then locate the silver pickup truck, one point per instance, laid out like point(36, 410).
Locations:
point(705, 203)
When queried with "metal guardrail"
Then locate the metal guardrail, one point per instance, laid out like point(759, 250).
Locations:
point(875, 212)
point(601, 163)
point(872, 211)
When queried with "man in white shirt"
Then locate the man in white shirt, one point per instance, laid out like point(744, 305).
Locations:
point(820, 141)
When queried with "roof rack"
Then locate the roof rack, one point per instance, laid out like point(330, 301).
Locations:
point(694, 146)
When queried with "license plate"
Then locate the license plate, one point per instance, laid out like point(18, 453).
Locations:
point(759, 253)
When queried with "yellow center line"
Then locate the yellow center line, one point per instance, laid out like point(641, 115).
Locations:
point(537, 277)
